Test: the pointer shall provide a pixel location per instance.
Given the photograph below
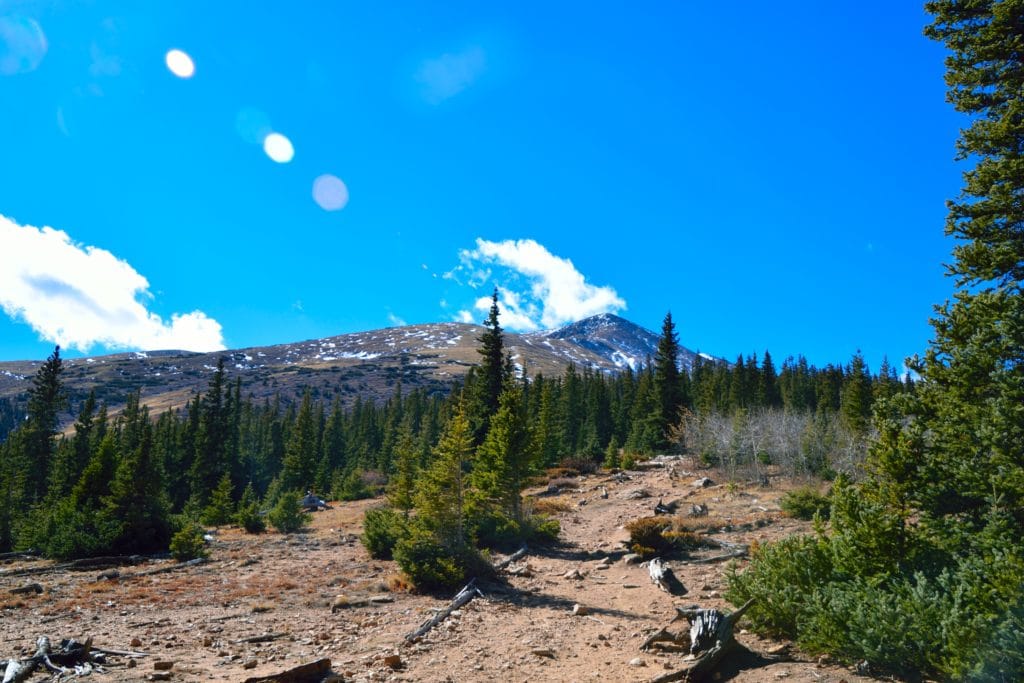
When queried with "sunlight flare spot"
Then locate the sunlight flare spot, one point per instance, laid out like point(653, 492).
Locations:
point(278, 148)
point(22, 45)
point(330, 192)
point(180, 64)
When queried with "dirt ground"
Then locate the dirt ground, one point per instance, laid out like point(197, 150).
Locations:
point(284, 587)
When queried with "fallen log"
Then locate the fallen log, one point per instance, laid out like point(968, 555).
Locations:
point(264, 638)
point(77, 565)
point(711, 637)
point(304, 673)
point(461, 598)
point(18, 671)
point(26, 589)
point(511, 558)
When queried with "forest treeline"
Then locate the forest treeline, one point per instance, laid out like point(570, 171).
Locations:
point(121, 483)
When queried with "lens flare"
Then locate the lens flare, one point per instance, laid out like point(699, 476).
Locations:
point(180, 64)
point(278, 148)
point(330, 192)
point(22, 45)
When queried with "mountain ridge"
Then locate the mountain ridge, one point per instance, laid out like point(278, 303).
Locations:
point(366, 364)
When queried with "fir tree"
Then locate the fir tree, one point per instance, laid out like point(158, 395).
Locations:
point(46, 399)
point(490, 376)
point(666, 379)
point(504, 460)
point(211, 439)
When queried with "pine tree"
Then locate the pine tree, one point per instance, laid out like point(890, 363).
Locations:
point(299, 467)
point(46, 399)
point(666, 379)
point(221, 508)
point(855, 396)
point(211, 439)
point(441, 494)
point(935, 533)
point(504, 460)
point(490, 376)
point(134, 515)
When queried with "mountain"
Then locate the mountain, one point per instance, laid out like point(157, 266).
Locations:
point(616, 340)
point(368, 365)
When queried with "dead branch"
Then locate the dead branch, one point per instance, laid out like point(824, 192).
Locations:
point(461, 598)
point(265, 638)
point(511, 558)
point(304, 673)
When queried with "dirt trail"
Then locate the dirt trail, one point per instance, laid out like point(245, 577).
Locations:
point(286, 586)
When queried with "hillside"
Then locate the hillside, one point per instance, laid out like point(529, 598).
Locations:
point(263, 604)
point(363, 364)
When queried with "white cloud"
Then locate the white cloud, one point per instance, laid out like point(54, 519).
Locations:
point(557, 293)
point(79, 296)
point(451, 73)
point(395, 320)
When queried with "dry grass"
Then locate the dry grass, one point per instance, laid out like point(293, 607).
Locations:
point(550, 506)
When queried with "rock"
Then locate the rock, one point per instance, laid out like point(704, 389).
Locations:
point(249, 664)
point(159, 676)
point(779, 649)
point(132, 664)
point(573, 575)
point(702, 483)
point(636, 661)
point(632, 558)
point(393, 661)
point(163, 665)
point(135, 642)
point(543, 652)
point(579, 610)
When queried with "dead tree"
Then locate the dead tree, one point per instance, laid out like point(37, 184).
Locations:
point(461, 598)
point(664, 578)
point(711, 638)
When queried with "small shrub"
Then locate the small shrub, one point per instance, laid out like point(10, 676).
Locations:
point(382, 529)
point(188, 543)
point(580, 464)
point(287, 515)
point(652, 536)
point(359, 485)
point(804, 503)
point(249, 518)
point(431, 565)
point(783, 577)
point(542, 529)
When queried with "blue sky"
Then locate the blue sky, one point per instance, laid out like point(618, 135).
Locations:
point(775, 175)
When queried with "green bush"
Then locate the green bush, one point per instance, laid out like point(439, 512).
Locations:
point(805, 503)
point(287, 515)
point(248, 516)
point(188, 543)
point(542, 529)
point(383, 528)
point(782, 576)
point(431, 565)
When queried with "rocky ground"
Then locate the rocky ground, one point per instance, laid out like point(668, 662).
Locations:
point(264, 604)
